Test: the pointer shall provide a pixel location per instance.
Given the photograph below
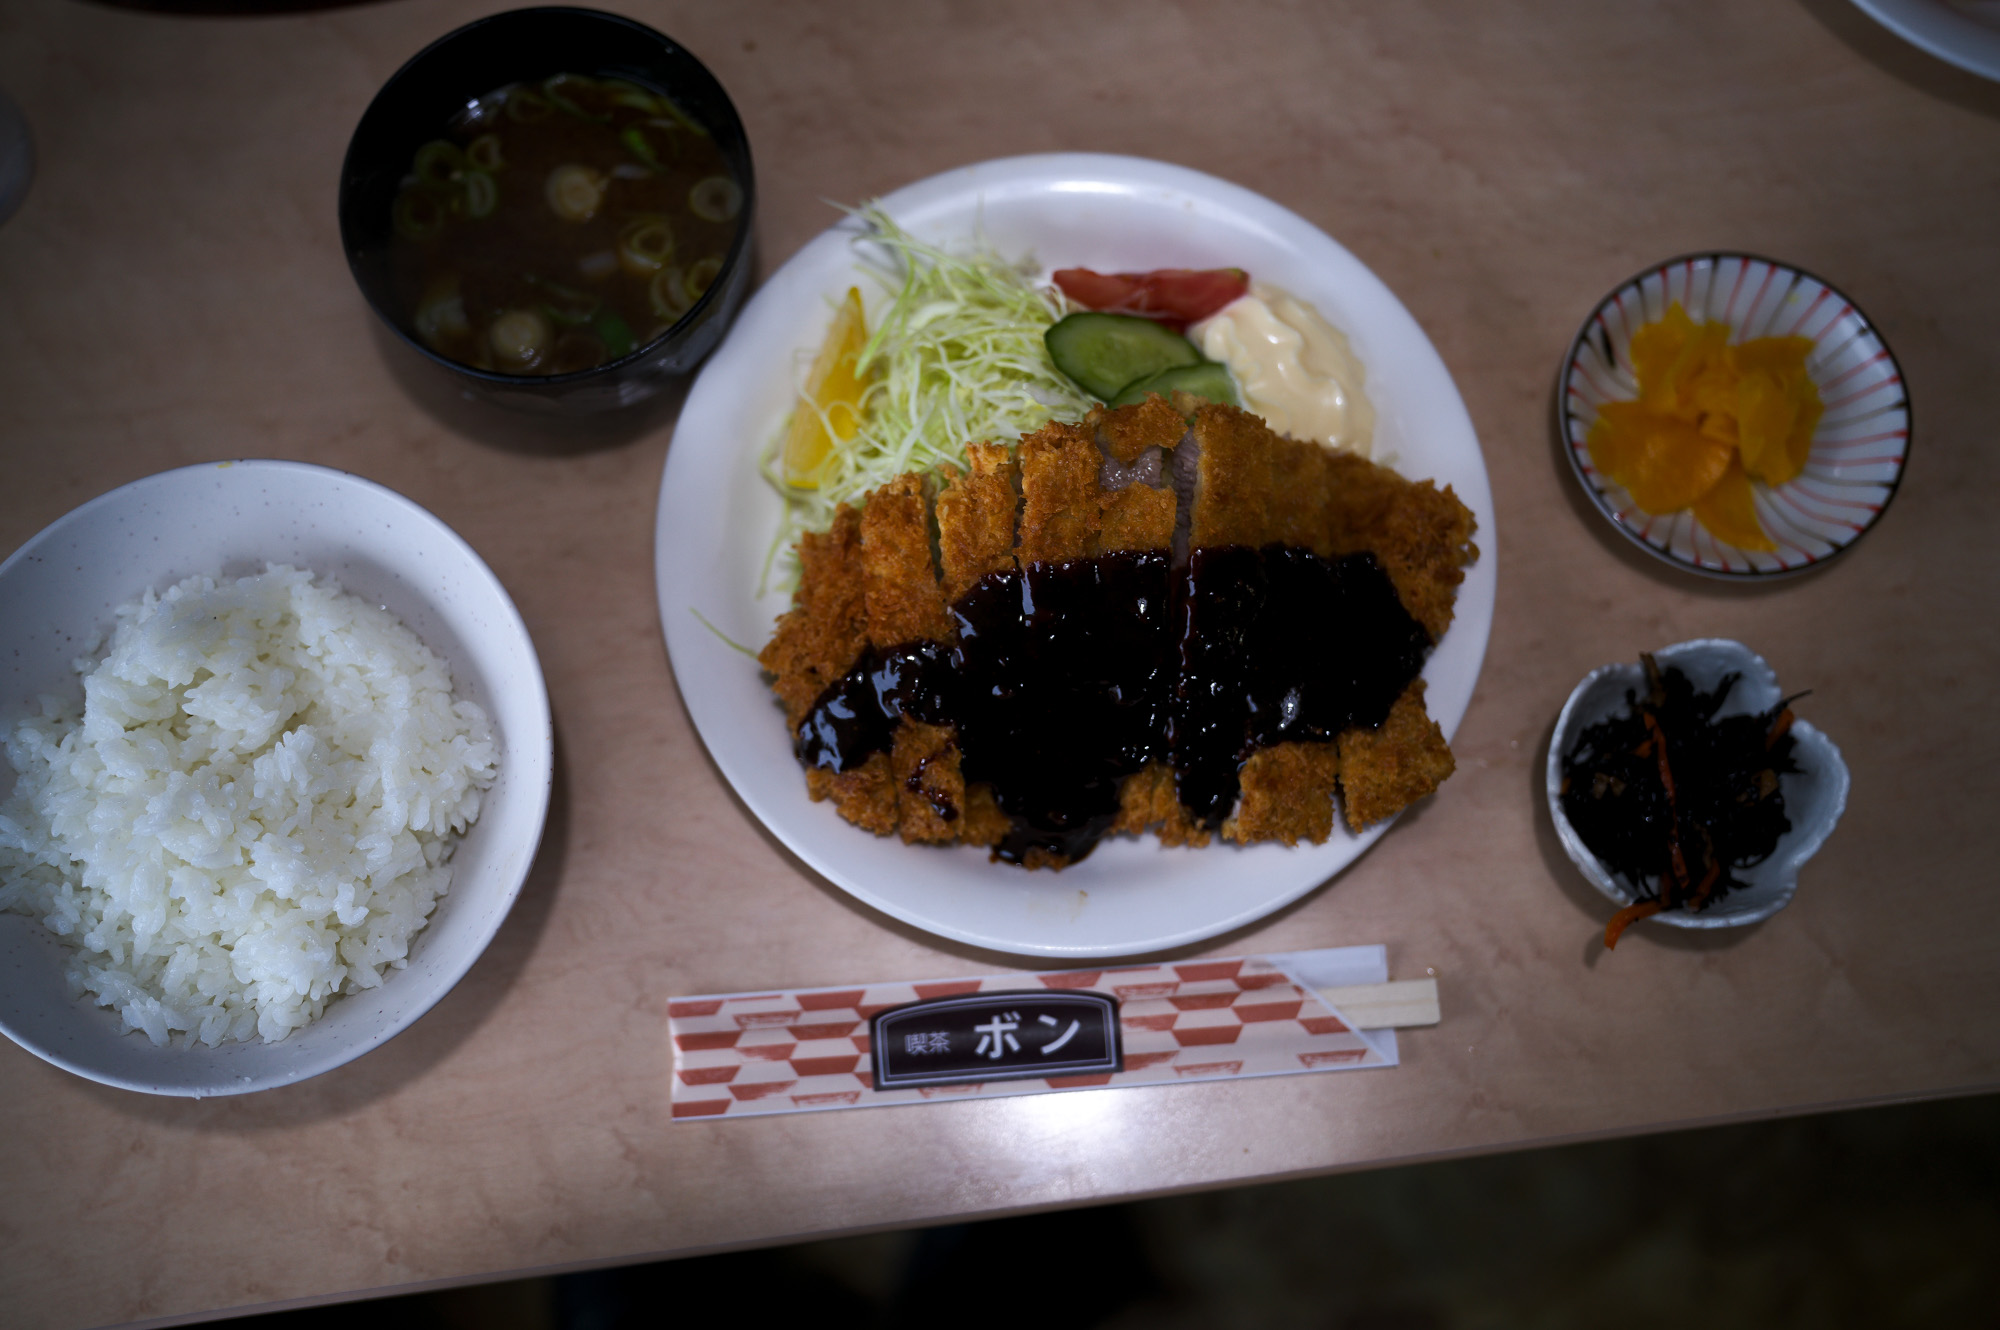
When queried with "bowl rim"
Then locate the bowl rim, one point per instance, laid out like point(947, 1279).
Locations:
point(541, 743)
point(739, 245)
point(1566, 367)
point(1614, 889)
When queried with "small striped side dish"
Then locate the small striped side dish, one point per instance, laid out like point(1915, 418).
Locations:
point(1858, 449)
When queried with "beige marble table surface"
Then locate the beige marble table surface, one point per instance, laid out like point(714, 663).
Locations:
point(173, 291)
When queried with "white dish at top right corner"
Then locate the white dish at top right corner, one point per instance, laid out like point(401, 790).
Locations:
point(1858, 447)
point(1815, 795)
point(1965, 33)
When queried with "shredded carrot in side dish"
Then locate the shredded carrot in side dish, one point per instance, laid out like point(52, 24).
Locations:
point(1659, 750)
point(1710, 419)
point(1701, 893)
point(1780, 729)
point(1625, 918)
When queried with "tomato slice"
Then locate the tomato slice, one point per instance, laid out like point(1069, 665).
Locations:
point(1101, 291)
point(1174, 296)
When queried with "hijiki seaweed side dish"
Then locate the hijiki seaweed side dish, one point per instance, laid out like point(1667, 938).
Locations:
point(1674, 799)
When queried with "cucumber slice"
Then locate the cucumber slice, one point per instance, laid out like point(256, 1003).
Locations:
point(1104, 352)
point(1209, 379)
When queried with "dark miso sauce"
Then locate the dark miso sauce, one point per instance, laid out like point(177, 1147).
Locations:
point(1069, 677)
point(1279, 645)
point(556, 226)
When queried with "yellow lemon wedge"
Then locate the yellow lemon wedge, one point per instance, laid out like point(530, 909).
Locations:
point(829, 409)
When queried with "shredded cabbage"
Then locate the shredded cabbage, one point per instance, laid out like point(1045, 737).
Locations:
point(957, 358)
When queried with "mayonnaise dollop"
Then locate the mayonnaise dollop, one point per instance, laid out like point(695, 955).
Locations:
point(1294, 368)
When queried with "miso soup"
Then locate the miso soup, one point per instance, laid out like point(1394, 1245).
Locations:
point(558, 226)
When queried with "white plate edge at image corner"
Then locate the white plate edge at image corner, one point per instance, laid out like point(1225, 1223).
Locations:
point(956, 893)
point(1942, 30)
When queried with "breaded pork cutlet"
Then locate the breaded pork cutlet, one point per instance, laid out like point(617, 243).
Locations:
point(1157, 478)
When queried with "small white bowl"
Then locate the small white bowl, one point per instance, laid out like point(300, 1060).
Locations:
point(1815, 795)
point(1858, 448)
point(57, 596)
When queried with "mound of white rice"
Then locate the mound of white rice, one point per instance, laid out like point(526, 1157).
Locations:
point(254, 812)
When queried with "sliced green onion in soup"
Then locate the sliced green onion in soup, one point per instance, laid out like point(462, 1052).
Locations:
point(576, 350)
point(560, 89)
point(644, 246)
point(616, 334)
point(700, 276)
point(662, 131)
point(526, 106)
point(574, 191)
point(682, 118)
point(669, 294)
point(716, 198)
point(519, 339)
point(484, 152)
point(564, 304)
point(634, 139)
point(438, 164)
point(440, 314)
point(417, 215)
point(478, 193)
point(632, 95)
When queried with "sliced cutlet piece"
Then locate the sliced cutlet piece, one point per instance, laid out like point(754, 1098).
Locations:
point(975, 517)
point(817, 641)
point(864, 795)
point(1239, 497)
point(1421, 535)
point(1136, 512)
point(1385, 770)
point(904, 601)
point(1147, 800)
point(930, 790)
point(1363, 492)
point(1137, 517)
point(982, 823)
point(1287, 794)
point(824, 633)
point(1301, 479)
point(1254, 487)
point(1232, 491)
point(1059, 494)
point(1136, 505)
point(1126, 432)
point(906, 604)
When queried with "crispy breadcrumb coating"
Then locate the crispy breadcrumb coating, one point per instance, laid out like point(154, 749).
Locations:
point(1107, 484)
point(1385, 770)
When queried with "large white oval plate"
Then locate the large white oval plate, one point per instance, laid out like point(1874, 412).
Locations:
point(717, 517)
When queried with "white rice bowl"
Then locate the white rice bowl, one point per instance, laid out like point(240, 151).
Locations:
point(254, 812)
point(60, 594)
